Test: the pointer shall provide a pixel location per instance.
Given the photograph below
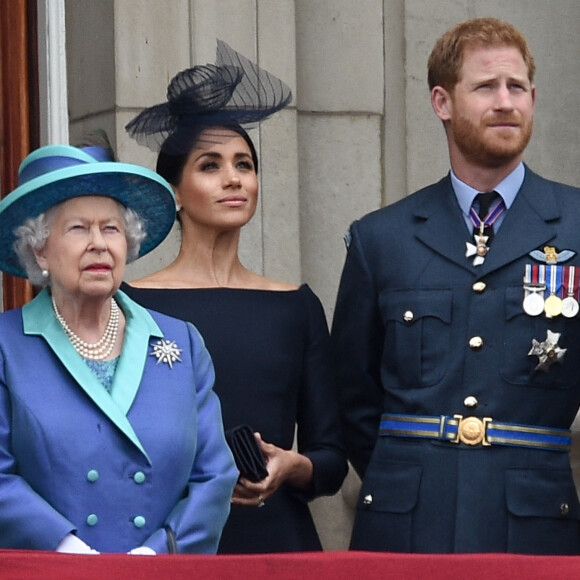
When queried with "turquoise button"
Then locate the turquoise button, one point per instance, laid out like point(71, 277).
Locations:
point(139, 477)
point(92, 519)
point(139, 521)
point(93, 475)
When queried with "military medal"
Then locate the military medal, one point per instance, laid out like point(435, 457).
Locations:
point(480, 248)
point(534, 291)
point(547, 351)
point(534, 302)
point(553, 303)
point(544, 284)
point(553, 306)
point(570, 306)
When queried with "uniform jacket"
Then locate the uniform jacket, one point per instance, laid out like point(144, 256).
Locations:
point(408, 305)
point(112, 468)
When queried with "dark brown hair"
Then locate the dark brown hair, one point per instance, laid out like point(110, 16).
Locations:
point(171, 166)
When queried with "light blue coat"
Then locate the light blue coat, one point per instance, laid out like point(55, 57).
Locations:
point(112, 468)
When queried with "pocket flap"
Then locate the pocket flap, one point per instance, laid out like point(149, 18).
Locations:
point(391, 487)
point(514, 298)
point(541, 493)
point(422, 303)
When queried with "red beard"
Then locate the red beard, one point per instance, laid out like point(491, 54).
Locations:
point(479, 147)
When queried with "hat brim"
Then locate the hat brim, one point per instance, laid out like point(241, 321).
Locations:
point(135, 187)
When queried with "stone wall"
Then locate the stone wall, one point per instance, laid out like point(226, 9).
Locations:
point(359, 134)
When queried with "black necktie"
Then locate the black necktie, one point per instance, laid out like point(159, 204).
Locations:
point(485, 201)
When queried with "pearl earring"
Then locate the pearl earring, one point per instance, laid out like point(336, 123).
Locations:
point(45, 274)
point(177, 207)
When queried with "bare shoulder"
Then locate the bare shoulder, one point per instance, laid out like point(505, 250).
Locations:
point(283, 286)
point(263, 283)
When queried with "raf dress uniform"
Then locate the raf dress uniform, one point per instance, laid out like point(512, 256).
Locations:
point(460, 378)
point(117, 469)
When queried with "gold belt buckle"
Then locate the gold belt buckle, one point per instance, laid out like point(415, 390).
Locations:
point(472, 430)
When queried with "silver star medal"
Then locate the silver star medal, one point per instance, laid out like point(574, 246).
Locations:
point(547, 351)
point(166, 351)
point(479, 249)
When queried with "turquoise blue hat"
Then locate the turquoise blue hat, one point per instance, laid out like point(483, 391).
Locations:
point(55, 173)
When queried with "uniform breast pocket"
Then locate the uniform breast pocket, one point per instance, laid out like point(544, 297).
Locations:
point(518, 366)
point(417, 338)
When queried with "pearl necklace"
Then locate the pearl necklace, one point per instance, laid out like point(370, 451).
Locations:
point(98, 350)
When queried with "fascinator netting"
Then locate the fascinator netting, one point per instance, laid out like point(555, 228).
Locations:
point(232, 92)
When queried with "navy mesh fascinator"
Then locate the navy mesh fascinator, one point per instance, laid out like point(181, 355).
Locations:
point(233, 91)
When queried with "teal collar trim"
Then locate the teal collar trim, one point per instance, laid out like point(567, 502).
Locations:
point(38, 318)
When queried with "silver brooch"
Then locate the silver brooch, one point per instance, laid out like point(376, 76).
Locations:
point(166, 351)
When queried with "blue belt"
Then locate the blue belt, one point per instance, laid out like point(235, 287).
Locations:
point(474, 431)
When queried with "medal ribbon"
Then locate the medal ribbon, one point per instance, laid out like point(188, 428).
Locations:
point(541, 271)
point(531, 274)
point(494, 212)
point(572, 275)
point(555, 274)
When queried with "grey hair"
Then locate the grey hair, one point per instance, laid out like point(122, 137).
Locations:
point(33, 234)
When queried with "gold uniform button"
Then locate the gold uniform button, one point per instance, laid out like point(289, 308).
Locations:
point(479, 287)
point(564, 509)
point(408, 316)
point(470, 402)
point(475, 342)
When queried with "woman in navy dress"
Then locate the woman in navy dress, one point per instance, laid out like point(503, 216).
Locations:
point(268, 339)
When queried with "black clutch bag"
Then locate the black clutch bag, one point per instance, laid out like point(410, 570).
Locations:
point(247, 453)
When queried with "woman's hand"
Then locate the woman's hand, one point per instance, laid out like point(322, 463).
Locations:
point(283, 466)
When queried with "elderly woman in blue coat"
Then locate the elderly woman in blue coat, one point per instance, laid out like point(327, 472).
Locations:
point(111, 436)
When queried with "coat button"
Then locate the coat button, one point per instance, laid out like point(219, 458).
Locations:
point(470, 402)
point(408, 316)
point(92, 519)
point(368, 499)
point(139, 477)
point(139, 521)
point(475, 342)
point(479, 287)
point(564, 509)
point(92, 475)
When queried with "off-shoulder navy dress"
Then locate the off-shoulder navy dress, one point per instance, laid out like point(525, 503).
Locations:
point(271, 353)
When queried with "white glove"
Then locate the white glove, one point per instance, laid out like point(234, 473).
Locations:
point(142, 551)
point(70, 544)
